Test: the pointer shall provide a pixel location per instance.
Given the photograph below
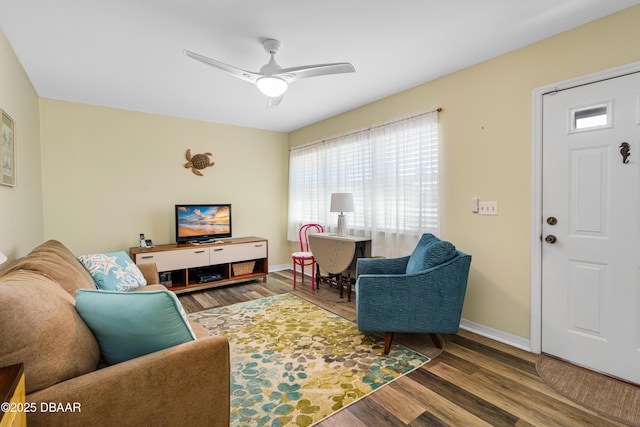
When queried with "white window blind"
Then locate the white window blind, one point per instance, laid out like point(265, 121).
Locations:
point(392, 171)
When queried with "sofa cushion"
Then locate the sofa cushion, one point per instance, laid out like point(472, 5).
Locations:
point(53, 260)
point(132, 324)
point(198, 330)
point(40, 327)
point(113, 271)
point(429, 252)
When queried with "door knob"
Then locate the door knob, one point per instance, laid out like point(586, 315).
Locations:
point(552, 220)
point(550, 239)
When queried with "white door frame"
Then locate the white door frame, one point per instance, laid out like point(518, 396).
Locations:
point(536, 186)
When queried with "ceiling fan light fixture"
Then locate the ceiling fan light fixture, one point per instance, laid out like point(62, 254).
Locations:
point(272, 86)
point(273, 80)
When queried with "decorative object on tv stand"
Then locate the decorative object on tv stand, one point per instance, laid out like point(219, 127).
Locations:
point(342, 202)
point(198, 162)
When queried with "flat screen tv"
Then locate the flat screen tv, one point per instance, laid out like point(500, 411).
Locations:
point(202, 223)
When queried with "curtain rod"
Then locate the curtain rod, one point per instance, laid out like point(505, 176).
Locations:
point(322, 141)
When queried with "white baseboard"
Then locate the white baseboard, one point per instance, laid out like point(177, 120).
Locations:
point(307, 271)
point(279, 267)
point(496, 334)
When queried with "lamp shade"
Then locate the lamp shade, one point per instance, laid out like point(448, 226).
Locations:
point(342, 202)
point(3, 258)
point(272, 86)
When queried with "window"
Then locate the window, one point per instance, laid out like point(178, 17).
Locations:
point(590, 118)
point(392, 171)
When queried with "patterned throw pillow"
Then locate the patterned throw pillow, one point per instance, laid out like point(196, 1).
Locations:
point(113, 271)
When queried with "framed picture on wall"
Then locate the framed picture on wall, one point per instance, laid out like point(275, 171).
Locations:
point(8, 150)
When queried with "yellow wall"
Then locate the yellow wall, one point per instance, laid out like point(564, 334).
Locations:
point(111, 174)
point(486, 152)
point(21, 226)
point(108, 175)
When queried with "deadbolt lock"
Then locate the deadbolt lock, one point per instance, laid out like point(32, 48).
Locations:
point(552, 220)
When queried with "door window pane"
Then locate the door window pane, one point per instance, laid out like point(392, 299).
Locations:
point(591, 117)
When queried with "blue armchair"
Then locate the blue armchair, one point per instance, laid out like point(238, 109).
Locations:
point(423, 292)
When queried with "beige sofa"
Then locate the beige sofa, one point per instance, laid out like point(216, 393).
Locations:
point(184, 385)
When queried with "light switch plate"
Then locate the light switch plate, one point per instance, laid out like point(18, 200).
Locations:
point(488, 208)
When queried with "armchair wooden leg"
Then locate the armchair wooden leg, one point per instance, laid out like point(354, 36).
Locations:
point(387, 342)
point(436, 340)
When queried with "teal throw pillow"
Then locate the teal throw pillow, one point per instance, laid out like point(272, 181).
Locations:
point(429, 253)
point(113, 271)
point(131, 324)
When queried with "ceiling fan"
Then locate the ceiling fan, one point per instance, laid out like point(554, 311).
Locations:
point(273, 80)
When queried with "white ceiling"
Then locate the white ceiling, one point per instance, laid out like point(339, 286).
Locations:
point(128, 53)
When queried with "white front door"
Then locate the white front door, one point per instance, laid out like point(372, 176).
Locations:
point(591, 226)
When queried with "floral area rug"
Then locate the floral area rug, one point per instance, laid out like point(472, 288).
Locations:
point(294, 363)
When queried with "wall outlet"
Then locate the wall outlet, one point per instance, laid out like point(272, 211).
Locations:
point(488, 208)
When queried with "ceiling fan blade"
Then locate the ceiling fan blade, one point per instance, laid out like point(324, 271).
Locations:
point(295, 73)
point(273, 101)
point(248, 76)
point(263, 78)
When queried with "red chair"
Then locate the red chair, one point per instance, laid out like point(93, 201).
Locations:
point(304, 257)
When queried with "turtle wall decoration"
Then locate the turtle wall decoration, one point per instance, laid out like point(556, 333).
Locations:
point(197, 162)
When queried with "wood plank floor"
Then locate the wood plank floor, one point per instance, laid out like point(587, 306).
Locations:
point(475, 381)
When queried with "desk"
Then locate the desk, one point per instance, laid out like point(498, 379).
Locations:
point(337, 255)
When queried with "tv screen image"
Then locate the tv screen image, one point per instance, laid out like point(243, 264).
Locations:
point(204, 222)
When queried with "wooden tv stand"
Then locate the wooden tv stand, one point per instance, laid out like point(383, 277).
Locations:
point(187, 267)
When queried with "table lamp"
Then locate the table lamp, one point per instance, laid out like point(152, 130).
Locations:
point(342, 202)
point(3, 258)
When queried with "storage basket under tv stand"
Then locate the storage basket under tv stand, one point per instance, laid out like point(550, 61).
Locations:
point(223, 262)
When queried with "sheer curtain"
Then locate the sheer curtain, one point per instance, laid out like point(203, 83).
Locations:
point(392, 171)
